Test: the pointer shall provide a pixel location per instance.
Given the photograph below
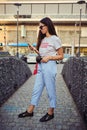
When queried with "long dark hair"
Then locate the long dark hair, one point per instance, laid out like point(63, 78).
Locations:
point(48, 22)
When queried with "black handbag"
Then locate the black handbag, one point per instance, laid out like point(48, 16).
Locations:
point(38, 59)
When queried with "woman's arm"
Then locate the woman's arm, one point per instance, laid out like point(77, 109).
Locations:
point(59, 56)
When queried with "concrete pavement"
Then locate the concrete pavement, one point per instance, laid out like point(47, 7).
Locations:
point(67, 116)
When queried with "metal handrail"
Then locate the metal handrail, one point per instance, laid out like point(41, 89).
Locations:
point(67, 16)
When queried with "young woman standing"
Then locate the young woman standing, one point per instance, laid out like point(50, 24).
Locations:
point(50, 49)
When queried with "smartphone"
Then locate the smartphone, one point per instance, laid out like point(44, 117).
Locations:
point(29, 45)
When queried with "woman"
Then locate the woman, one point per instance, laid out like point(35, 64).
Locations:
point(50, 49)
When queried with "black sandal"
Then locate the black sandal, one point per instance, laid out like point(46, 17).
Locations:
point(47, 117)
point(25, 114)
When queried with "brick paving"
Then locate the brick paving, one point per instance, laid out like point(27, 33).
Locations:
point(67, 116)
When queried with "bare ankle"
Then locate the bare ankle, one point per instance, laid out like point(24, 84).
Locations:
point(50, 111)
point(30, 108)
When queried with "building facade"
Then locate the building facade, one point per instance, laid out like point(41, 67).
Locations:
point(19, 22)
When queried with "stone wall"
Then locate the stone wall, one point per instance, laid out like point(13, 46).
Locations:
point(13, 73)
point(75, 75)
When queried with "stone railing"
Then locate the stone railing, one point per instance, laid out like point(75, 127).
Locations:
point(39, 16)
point(75, 75)
point(60, 16)
point(13, 73)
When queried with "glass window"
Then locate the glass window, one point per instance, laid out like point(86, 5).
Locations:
point(24, 9)
point(11, 9)
point(51, 8)
point(76, 8)
point(1, 9)
point(65, 8)
point(37, 8)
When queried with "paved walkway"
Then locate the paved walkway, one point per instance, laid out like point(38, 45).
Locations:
point(66, 113)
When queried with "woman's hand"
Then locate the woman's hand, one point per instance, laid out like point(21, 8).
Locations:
point(33, 49)
point(45, 59)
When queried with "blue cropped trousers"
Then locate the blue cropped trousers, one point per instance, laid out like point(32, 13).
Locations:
point(45, 77)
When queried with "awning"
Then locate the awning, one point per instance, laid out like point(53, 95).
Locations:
point(34, 44)
point(19, 44)
point(76, 45)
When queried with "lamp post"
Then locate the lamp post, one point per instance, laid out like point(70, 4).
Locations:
point(17, 4)
point(5, 37)
point(80, 2)
point(74, 42)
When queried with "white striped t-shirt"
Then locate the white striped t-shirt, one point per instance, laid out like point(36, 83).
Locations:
point(49, 45)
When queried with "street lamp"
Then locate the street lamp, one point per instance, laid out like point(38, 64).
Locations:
point(80, 2)
point(17, 4)
point(5, 37)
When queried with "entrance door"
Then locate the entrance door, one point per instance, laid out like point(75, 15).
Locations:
point(68, 50)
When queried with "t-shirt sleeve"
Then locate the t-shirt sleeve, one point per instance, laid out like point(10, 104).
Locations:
point(57, 43)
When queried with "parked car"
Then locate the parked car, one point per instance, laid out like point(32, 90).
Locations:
point(59, 61)
point(23, 57)
point(31, 58)
point(66, 57)
point(4, 54)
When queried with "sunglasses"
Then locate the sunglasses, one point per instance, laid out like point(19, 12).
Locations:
point(41, 27)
